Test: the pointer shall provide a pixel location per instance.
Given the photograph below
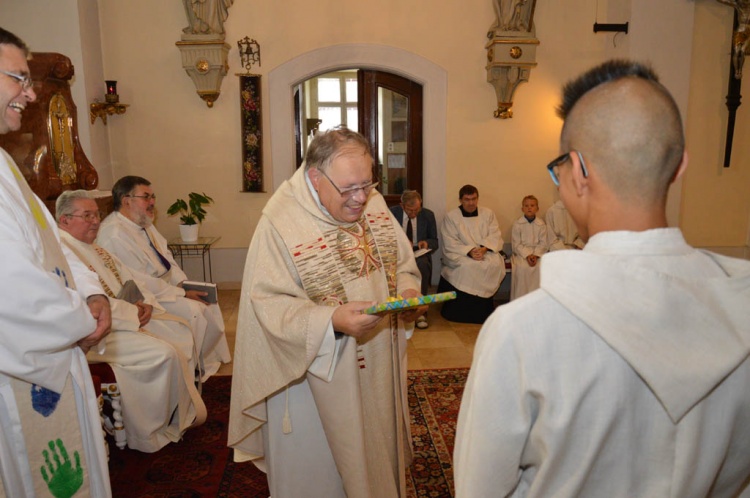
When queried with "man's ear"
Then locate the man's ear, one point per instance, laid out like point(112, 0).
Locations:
point(681, 168)
point(580, 181)
point(314, 175)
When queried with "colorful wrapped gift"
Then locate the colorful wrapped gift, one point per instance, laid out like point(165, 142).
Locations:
point(406, 304)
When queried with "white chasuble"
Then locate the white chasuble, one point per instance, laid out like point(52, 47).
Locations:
point(335, 423)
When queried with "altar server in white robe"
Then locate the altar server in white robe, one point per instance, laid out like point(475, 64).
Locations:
point(626, 374)
point(472, 264)
point(318, 392)
point(129, 234)
point(51, 439)
point(529, 242)
point(561, 229)
point(151, 353)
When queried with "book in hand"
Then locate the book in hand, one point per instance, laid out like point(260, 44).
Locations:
point(130, 292)
point(213, 294)
point(421, 252)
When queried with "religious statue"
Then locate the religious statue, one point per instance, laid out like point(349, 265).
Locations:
point(206, 17)
point(512, 15)
point(741, 35)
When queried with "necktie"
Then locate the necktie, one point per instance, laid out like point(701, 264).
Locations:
point(410, 232)
point(161, 256)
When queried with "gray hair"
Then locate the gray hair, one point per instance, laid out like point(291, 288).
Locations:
point(64, 203)
point(327, 145)
point(410, 196)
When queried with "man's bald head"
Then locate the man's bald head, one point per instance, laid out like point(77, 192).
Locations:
point(628, 126)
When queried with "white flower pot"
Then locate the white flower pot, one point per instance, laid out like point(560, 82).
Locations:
point(189, 233)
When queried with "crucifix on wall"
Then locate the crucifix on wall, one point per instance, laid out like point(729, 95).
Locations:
point(740, 39)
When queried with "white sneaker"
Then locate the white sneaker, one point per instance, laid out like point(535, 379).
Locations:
point(422, 323)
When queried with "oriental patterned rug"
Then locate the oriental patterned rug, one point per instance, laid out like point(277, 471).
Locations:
point(201, 465)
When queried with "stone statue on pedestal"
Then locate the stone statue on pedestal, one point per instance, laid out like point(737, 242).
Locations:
point(206, 17)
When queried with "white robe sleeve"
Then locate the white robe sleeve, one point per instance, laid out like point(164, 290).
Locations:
point(40, 319)
point(493, 239)
point(454, 249)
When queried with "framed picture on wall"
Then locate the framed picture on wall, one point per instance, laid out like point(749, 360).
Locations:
point(399, 106)
point(398, 131)
point(396, 161)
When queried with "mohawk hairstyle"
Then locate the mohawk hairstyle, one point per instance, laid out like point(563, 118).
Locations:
point(611, 70)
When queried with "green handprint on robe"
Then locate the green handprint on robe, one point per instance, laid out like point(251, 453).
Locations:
point(62, 479)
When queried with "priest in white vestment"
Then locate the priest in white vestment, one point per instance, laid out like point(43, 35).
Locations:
point(150, 351)
point(529, 242)
point(472, 263)
point(318, 394)
point(129, 234)
point(561, 229)
point(626, 374)
point(50, 311)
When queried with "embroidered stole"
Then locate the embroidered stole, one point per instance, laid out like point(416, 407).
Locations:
point(50, 420)
point(345, 253)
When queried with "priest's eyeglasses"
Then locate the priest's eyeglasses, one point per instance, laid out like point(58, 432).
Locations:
point(145, 197)
point(552, 167)
point(88, 216)
point(351, 192)
point(25, 81)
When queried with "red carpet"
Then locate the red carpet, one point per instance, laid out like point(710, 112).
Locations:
point(201, 464)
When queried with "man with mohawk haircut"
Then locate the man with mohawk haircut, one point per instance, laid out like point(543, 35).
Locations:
point(626, 373)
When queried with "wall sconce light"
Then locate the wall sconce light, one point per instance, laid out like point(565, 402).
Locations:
point(249, 53)
point(110, 106)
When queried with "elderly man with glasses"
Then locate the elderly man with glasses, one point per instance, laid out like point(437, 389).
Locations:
point(318, 398)
point(626, 373)
point(129, 233)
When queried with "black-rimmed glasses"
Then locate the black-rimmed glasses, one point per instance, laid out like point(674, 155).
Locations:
point(351, 192)
point(551, 167)
point(25, 81)
point(145, 197)
point(87, 217)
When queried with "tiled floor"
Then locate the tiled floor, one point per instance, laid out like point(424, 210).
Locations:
point(443, 344)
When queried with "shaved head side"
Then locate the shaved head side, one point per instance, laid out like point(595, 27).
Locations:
point(629, 128)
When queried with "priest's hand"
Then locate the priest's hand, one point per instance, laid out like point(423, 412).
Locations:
point(197, 295)
point(144, 312)
point(413, 314)
point(99, 308)
point(349, 319)
point(478, 253)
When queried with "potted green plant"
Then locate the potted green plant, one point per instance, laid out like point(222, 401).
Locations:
point(191, 214)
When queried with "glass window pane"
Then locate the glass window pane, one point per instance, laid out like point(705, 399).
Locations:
point(331, 117)
point(351, 89)
point(329, 90)
point(352, 118)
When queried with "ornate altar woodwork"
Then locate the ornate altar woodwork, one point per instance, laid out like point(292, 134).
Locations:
point(47, 148)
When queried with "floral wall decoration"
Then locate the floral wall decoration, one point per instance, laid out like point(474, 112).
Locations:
point(252, 136)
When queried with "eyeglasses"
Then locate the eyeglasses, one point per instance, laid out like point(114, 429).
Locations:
point(559, 161)
point(88, 217)
point(25, 81)
point(146, 197)
point(351, 192)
